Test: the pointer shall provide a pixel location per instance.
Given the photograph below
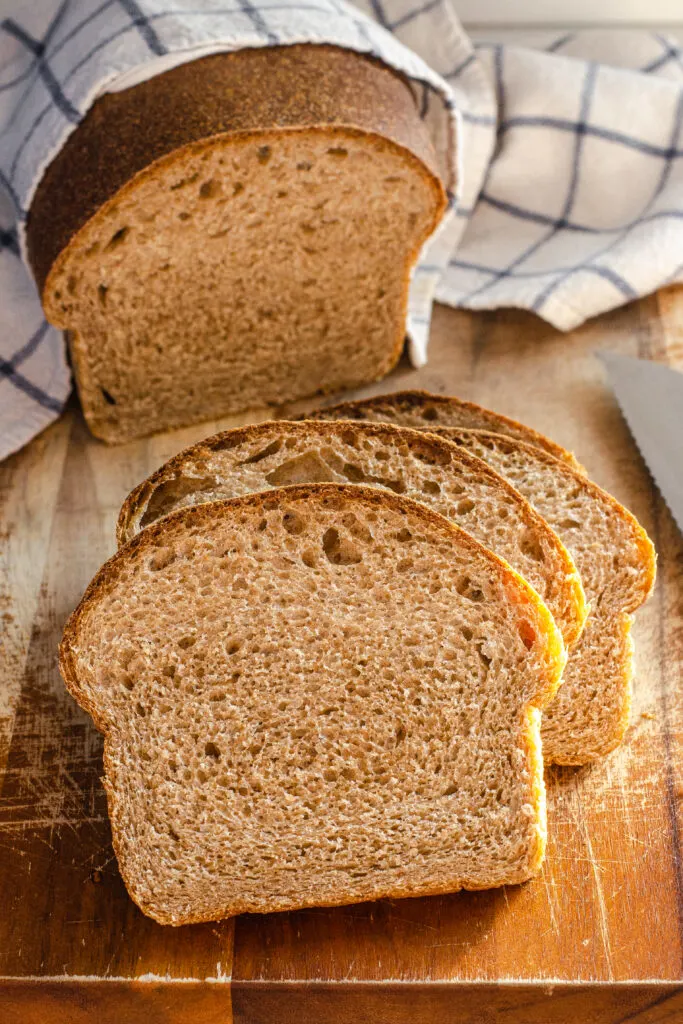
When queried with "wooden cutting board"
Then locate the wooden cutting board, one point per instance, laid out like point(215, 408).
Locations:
point(598, 937)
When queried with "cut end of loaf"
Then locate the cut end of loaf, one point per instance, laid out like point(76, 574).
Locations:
point(246, 270)
point(315, 696)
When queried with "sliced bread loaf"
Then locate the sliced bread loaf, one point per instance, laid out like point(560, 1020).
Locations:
point(456, 484)
point(314, 696)
point(235, 232)
point(614, 556)
point(616, 560)
point(424, 410)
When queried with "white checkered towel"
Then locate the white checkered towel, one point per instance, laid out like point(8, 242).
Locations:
point(570, 182)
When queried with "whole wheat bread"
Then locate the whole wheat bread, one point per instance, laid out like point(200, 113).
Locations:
point(235, 232)
point(424, 410)
point(614, 556)
point(418, 465)
point(314, 696)
point(616, 560)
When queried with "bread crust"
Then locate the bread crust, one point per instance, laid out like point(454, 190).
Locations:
point(438, 448)
point(638, 595)
point(417, 400)
point(645, 546)
point(200, 514)
point(223, 94)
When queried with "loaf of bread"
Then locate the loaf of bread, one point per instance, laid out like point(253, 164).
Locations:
point(235, 232)
point(314, 696)
point(614, 556)
point(424, 410)
point(459, 486)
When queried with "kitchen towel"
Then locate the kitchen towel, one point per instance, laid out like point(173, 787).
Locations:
point(569, 188)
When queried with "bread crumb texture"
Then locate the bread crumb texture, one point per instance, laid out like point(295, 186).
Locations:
point(442, 475)
point(245, 270)
point(614, 556)
point(314, 696)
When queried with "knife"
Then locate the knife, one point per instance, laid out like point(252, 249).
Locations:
point(651, 398)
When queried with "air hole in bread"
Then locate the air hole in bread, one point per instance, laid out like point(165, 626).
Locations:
point(184, 215)
point(161, 558)
point(187, 641)
point(102, 294)
point(108, 397)
point(263, 153)
point(431, 487)
point(339, 550)
point(486, 661)
point(531, 547)
point(237, 188)
point(272, 449)
point(527, 633)
point(234, 646)
point(430, 414)
point(307, 468)
point(139, 710)
point(405, 565)
point(210, 189)
point(404, 535)
point(569, 524)
point(293, 523)
point(465, 506)
point(467, 589)
point(466, 632)
point(211, 750)
point(338, 151)
point(127, 682)
point(309, 558)
point(174, 835)
point(304, 165)
point(117, 238)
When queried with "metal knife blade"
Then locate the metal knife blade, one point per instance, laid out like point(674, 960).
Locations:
point(651, 398)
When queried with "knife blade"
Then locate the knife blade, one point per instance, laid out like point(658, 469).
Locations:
point(650, 396)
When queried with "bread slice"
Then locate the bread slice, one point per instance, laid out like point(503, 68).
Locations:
point(314, 696)
point(616, 560)
point(235, 232)
point(429, 469)
point(424, 410)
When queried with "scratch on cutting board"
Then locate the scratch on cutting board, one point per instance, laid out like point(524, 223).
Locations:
point(602, 906)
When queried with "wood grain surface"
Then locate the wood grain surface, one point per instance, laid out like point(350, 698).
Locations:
point(596, 939)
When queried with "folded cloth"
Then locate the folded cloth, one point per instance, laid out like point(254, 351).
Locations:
point(569, 185)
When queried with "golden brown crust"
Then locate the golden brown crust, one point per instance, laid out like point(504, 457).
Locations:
point(437, 448)
point(248, 90)
point(641, 539)
point(418, 400)
point(197, 514)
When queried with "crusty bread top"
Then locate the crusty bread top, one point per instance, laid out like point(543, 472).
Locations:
point(248, 90)
point(425, 410)
point(312, 696)
point(418, 464)
point(521, 463)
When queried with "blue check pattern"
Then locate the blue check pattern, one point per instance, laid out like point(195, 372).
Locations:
point(568, 198)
